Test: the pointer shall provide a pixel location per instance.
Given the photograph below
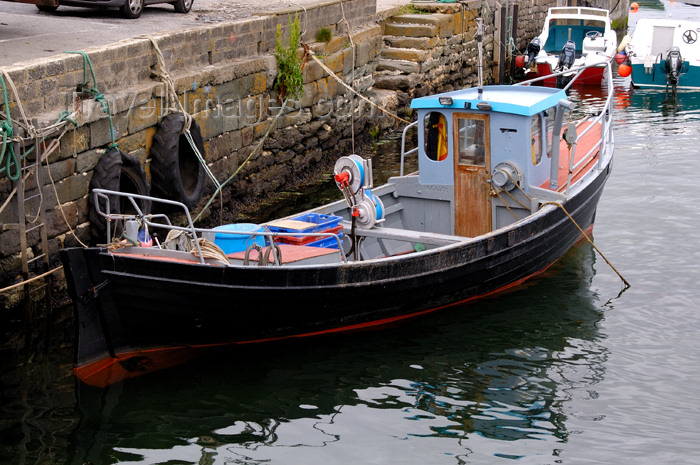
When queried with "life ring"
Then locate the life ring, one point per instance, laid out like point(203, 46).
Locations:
point(116, 171)
point(176, 172)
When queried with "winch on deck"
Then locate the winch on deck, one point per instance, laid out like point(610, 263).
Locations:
point(353, 175)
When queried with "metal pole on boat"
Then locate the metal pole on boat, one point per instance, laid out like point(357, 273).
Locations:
point(479, 39)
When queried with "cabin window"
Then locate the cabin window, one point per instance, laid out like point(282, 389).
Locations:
point(471, 143)
point(536, 138)
point(549, 123)
point(436, 136)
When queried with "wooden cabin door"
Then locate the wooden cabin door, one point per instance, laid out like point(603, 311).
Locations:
point(472, 161)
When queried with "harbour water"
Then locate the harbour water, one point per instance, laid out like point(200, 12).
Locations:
point(571, 368)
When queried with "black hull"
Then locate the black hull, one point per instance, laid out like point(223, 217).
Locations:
point(127, 305)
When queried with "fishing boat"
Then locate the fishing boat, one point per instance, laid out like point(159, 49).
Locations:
point(571, 37)
point(665, 53)
point(509, 178)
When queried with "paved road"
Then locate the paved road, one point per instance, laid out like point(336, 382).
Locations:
point(26, 33)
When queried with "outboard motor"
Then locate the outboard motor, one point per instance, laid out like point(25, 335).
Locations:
point(567, 55)
point(533, 48)
point(674, 63)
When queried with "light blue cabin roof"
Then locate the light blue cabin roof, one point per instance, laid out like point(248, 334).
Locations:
point(517, 100)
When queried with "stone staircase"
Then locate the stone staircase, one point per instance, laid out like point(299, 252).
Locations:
point(420, 50)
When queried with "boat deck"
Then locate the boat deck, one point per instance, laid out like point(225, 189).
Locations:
point(585, 156)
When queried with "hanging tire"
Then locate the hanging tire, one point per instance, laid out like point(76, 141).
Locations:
point(176, 172)
point(116, 171)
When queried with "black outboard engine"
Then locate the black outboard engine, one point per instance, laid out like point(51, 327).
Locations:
point(674, 63)
point(533, 48)
point(567, 55)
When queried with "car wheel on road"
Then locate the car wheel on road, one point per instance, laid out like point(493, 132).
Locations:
point(132, 9)
point(49, 8)
point(183, 6)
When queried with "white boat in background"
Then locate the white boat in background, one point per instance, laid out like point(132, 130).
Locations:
point(665, 53)
point(572, 37)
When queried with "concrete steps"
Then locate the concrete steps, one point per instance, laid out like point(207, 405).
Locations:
point(409, 41)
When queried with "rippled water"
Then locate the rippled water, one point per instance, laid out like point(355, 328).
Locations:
point(564, 370)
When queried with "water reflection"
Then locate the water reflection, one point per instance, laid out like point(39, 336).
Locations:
point(497, 373)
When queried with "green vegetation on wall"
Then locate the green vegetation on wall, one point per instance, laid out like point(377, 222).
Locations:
point(290, 80)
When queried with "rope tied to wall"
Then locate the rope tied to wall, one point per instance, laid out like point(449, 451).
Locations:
point(173, 104)
point(8, 135)
point(94, 92)
point(341, 82)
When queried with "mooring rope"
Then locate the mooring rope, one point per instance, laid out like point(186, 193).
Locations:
point(583, 233)
point(95, 93)
point(230, 178)
point(341, 82)
point(30, 280)
point(171, 94)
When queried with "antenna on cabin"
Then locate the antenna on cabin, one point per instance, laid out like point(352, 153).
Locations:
point(479, 39)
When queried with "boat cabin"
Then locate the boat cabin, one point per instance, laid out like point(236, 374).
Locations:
point(483, 153)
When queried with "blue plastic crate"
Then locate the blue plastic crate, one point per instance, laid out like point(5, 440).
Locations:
point(326, 242)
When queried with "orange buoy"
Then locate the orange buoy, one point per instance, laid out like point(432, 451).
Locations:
point(520, 61)
point(624, 70)
point(621, 57)
point(634, 6)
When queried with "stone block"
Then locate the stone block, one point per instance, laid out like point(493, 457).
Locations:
point(411, 30)
point(210, 123)
point(73, 142)
point(337, 43)
point(420, 43)
point(132, 142)
point(397, 82)
point(222, 146)
point(70, 188)
point(57, 216)
point(335, 62)
point(9, 244)
point(366, 52)
point(313, 71)
point(405, 54)
point(328, 88)
point(402, 66)
point(142, 112)
point(100, 130)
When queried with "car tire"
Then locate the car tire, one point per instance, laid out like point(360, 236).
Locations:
point(176, 172)
point(116, 171)
point(47, 8)
point(132, 9)
point(183, 6)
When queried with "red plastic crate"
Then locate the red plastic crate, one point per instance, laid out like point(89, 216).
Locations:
point(303, 240)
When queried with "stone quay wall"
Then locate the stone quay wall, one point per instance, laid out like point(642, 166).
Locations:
point(224, 77)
